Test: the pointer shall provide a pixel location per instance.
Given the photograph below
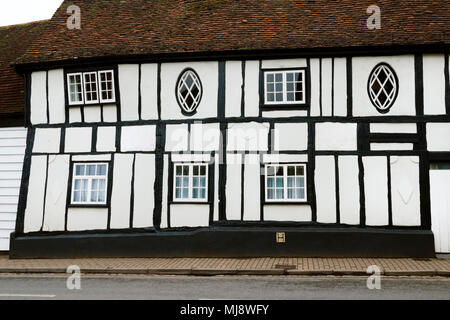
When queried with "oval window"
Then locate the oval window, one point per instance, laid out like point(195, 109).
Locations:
point(383, 87)
point(189, 91)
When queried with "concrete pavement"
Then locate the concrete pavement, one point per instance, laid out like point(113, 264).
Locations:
point(228, 266)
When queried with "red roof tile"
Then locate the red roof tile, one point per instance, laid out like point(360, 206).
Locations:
point(14, 41)
point(148, 27)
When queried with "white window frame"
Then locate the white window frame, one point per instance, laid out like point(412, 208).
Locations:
point(68, 88)
point(190, 186)
point(285, 183)
point(84, 100)
point(89, 189)
point(284, 72)
point(96, 86)
point(113, 99)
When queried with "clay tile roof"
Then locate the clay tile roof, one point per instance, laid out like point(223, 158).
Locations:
point(158, 27)
point(14, 41)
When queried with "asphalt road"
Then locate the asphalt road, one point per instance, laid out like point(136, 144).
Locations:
point(105, 287)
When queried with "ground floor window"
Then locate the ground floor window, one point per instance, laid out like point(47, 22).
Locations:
point(191, 182)
point(285, 182)
point(89, 183)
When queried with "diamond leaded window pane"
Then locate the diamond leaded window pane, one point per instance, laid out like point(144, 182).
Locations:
point(383, 87)
point(189, 91)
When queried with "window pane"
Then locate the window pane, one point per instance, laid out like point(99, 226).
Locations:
point(177, 193)
point(270, 97)
point(290, 86)
point(195, 170)
point(90, 170)
point(279, 97)
point(77, 184)
point(84, 196)
point(101, 170)
point(270, 194)
point(102, 186)
point(270, 170)
point(280, 171)
point(101, 196)
point(290, 96)
point(195, 182)
point(203, 193)
point(279, 87)
point(270, 182)
point(291, 193)
point(291, 182)
point(203, 170)
point(94, 184)
point(291, 171)
point(203, 182)
point(300, 193)
point(300, 182)
point(178, 182)
point(76, 196)
point(270, 87)
point(289, 76)
point(270, 77)
point(195, 193)
point(185, 182)
point(94, 195)
point(79, 170)
point(185, 170)
point(279, 194)
point(185, 193)
point(178, 170)
point(278, 77)
point(280, 182)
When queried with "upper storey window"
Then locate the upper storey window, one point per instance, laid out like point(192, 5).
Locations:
point(285, 87)
point(91, 87)
point(189, 91)
point(383, 87)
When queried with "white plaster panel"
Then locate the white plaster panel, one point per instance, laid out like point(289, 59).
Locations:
point(233, 86)
point(291, 136)
point(251, 88)
point(38, 98)
point(190, 157)
point(327, 84)
point(252, 136)
point(315, 87)
point(92, 157)
point(56, 196)
point(284, 158)
point(325, 180)
point(208, 74)
point(403, 66)
point(391, 146)
point(149, 91)
point(189, 215)
point(129, 91)
point(205, 137)
point(435, 136)
point(376, 191)
point(121, 192)
point(56, 100)
point(233, 188)
point(393, 128)
point(405, 191)
point(177, 137)
point(36, 188)
point(138, 138)
point(252, 182)
point(349, 205)
point(336, 136)
point(285, 114)
point(78, 140)
point(165, 188)
point(84, 219)
point(110, 113)
point(92, 114)
point(47, 140)
point(106, 139)
point(144, 179)
point(340, 87)
point(434, 84)
point(300, 213)
point(284, 63)
point(216, 187)
point(74, 114)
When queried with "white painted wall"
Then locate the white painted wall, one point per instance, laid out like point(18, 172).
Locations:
point(177, 137)
point(325, 180)
point(149, 91)
point(165, 191)
point(393, 128)
point(434, 84)
point(300, 213)
point(233, 189)
point(435, 133)
point(340, 87)
point(144, 179)
point(84, 219)
point(35, 199)
point(208, 74)
point(56, 195)
point(205, 137)
point(110, 113)
point(78, 140)
point(121, 192)
point(250, 136)
point(106, 139)
point(349, 206)
point(75, 115)
point(440, 209)
point(284, 63)
point(391, 146)
point(290, 136)
point(47, 140)
point(403, 66)
point(189, 215)
point(327, 85)
point(336, 136)
point(315, 87)
point(252, 182)
point(376, 191)
point(92, 114)
point(38, 100)
point(284, 158)
point(138, 138)
point(251, 88)
point(12, 149)
point(129, 91)
point(233, 88)
point(56, 100)
point(405, 191)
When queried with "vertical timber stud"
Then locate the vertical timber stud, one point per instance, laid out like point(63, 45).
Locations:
point(447, 84)
point(223, 142)
point(311, 169)
point(363, 146)
point(159, 173)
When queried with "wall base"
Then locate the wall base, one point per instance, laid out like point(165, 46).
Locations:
point(230, 242)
